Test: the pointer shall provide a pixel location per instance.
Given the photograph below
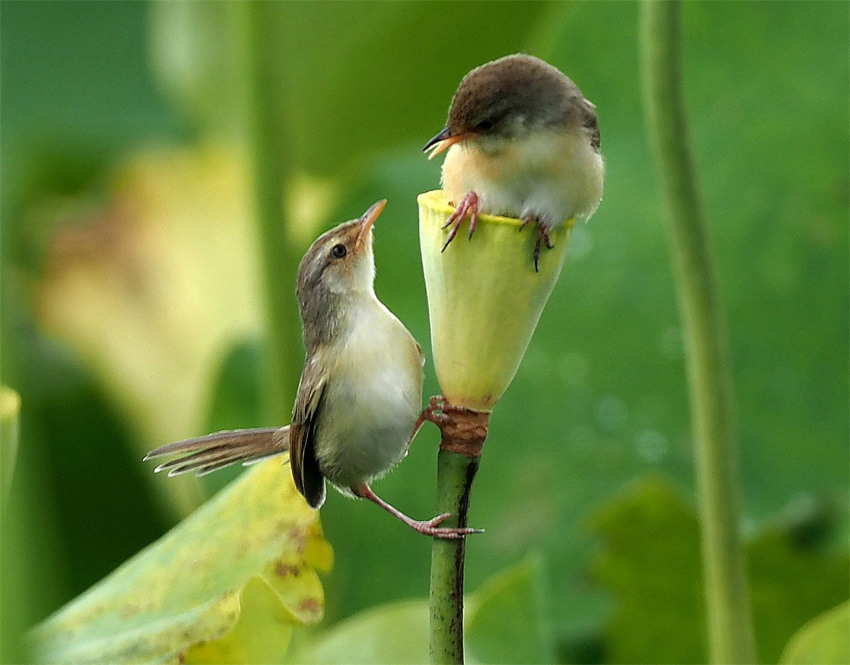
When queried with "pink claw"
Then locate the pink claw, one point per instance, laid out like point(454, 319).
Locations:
point(468, 204)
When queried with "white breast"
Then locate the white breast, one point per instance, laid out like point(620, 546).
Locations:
point(374, 396)
point(548, 176)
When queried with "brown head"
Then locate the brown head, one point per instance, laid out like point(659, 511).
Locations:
point(338, 266)
point(509, 98)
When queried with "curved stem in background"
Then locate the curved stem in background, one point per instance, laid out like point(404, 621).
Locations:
point(463, 434)
point(279, 253)
point(708, 359)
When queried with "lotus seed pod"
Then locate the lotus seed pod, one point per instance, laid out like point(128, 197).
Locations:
point(484, 298)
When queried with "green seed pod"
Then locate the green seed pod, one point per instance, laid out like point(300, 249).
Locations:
point(484, 299)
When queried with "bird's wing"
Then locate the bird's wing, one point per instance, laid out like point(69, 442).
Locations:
point(305, 468)
point(206, 454)
point(590, 121)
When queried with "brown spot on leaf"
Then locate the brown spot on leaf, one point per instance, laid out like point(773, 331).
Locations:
point(126, 611)
point(284, 570)
point(310, 606)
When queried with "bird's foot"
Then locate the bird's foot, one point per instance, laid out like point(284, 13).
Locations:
point(431, 413)
point(468, 204)
point(428, 528)
point(431, 528)
point(542, 237)
point(437, 412)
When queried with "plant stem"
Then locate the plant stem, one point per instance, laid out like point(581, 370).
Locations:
point(279, 254)
point(708, 359)
point(10, 407)
point(463, 435)
point(454, 479)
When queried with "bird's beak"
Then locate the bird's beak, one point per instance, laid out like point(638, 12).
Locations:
point(442, 141)
point(367, 220)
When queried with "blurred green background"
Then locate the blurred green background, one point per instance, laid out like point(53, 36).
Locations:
point(131, 307)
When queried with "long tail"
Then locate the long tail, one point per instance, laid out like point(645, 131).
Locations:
point(206, 454)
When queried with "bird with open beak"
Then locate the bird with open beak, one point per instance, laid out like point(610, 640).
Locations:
point(521, 141)
point(360, 395)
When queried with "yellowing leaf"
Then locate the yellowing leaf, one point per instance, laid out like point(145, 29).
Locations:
point(260, 635)
point(225, 585)
point(152, 291)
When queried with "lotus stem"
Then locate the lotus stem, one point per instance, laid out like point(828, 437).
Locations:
point(463, 435)
point(704, 330)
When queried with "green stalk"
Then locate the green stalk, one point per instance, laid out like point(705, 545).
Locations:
point(10, 407)
point(708, 359)
point(455, 473)
point(279, 254)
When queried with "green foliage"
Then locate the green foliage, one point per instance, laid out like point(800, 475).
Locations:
point(322, 88)
point(507, 621)
point(235, 398)
point(650, 563)
point(241, 565)
point(386, 634)
point(825, 640)
point(600, 395)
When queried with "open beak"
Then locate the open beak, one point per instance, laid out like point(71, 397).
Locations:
point(442, 142)
point(367, 220)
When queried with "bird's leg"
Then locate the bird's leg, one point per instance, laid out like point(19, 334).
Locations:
point(428, 528)
point(432, 413)
point(542, 236)
point(468, 204)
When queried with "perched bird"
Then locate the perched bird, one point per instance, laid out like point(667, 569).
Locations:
point(522, 141)
point(360, 395)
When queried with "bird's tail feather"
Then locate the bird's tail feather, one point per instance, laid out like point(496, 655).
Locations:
point(206, 454)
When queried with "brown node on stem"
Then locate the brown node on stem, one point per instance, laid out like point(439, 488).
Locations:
point(463, 431)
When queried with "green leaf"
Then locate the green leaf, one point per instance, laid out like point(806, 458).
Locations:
point(165, 299)
point(506, 622)
point(387, 634)
point(243, 565)
point(795, 575)
point(651, 564)
point(824, 640)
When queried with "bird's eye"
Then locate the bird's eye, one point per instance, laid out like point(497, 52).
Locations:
point(339, 251)
point(484, 125)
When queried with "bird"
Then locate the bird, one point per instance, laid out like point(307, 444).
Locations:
point(524, 142)
point(358, 404)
